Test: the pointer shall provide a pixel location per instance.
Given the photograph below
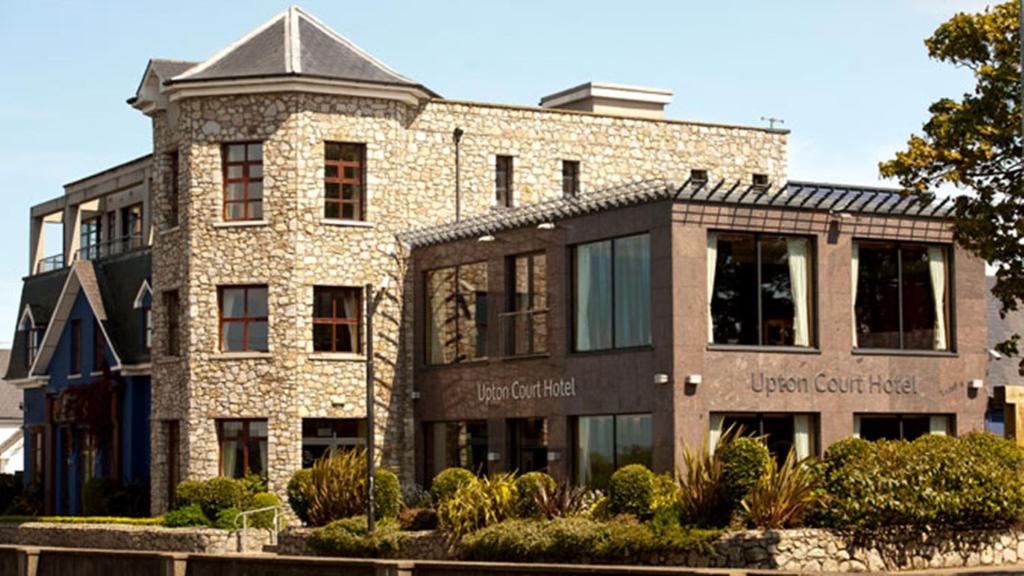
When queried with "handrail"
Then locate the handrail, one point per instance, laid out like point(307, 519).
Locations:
point(111, 247)
point(50, 263)
point(278, 514)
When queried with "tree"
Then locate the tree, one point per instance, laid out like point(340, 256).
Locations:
point(975, 144)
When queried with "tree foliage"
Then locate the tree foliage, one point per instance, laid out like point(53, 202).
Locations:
point(975, 144)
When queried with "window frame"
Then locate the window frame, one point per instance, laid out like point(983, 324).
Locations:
point(334, 321)
point(575, 432)
point(457, 268)
point(813, 342)
point(341, 180)
point(244, 320)
point(815, 420)
point(900, 417)
point(76, 347)
point(511, 308)
point(132, 226)
point(172, 312)
point(951, 336)
point(570, 180)
point(245, 437)
point(147, 327)
point(245, 180)
point(504, 179)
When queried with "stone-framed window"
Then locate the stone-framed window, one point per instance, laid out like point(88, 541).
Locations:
point(243, 318)
point(173, 194)
point(243, 447)
point(612, 294)
point(570, 178)
point(242, 165)
point(337, 316)
point(503, 179)
point(344, 181)
point(172, 312)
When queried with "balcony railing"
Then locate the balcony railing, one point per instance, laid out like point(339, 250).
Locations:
point(50, 263)
point(110, 247)
point(525, 332)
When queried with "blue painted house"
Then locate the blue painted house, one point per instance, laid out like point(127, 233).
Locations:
point(81, 353)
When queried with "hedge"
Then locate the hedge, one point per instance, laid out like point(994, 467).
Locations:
point(12, 519)
point(348, 537)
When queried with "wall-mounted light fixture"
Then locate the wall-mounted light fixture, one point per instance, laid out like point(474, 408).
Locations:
point(661, 378)
point(554, 455)
point(486, 238)
point(493, 456)
point(694, 379)
point(546, 226)
point(415, 394)
point(976, 384)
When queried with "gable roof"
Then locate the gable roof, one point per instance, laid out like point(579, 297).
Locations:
point(10, 397)
point(39, 293)
point(295, 44)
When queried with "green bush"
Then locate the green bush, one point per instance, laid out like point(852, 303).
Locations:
point(413, 519)
point(447, 482)
point(191, 515)
point(387, 494)
point(932, 482)
point(631, 489)
point(478, 503)
point(583, 540)
point(529, 487)
point(188, 492)
point(96, 496)
point(226, 519)
point(745, 460)
point(297, 496)
point(348, 537)
point(262, 500)
point(220, 493)
point(337, 487)
point(15, 519)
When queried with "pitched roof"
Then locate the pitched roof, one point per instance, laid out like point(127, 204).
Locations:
point(40, 294)
point(793, 196)
point(294, 43)
point(10, 397)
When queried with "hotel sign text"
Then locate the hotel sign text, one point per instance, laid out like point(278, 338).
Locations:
point(536, 390)
point(823, 383)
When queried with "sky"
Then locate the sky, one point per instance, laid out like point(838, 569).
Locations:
point(851, 79)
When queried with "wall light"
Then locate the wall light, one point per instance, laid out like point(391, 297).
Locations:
point(486, 238)
point(546, 226)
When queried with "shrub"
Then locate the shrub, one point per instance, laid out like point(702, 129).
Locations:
point(219, 493)
point(564, 499)
point(29, 502)
point(12, 519)
point(932, 482)
point(417, 519)
point(337, 487)
point(254, 483)
point(262, 500)
point(191, 515)
point(415, 496)
point(297, 496)
point(631, 489)
point(447, 482)
point(744, 461)
point(227, 519)
point(188, 492)
point(528, 488)
point(478, 503)
point(96, 496)
point(348, 537)
point(131, 499)
point(782, 496)
point(601, 509)
point(387, 494)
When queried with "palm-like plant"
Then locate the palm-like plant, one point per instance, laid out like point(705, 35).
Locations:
point(563, 500)
point(783, 495)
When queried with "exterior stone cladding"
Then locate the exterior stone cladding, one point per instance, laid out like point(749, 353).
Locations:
point(410, 182)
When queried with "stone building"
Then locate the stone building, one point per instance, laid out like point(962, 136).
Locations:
point(292, 169)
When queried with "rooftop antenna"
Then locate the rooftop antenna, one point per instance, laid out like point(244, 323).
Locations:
point(772, 121)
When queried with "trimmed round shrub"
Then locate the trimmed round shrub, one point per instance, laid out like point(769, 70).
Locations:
point(528, 487)
point(226, 519)
point(602, 509)
point(297, 494)
point(188, 492)
point(631, 490)
point(348, 537)
point(220, 493)
point(447, 482)
point(414, 519)
point(262, 500)
point(96, 495)
point(744, 461)
point(387, 493)
point(191, 515)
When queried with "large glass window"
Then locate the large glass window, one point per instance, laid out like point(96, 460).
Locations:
point(781, 432)
point(336, 314)
point(526, 327)
point(760, 290)
point(612, 304)
point(243, 318)
point(131, 226)
point(457, 444)
point(902, 301)
point(900, 426)
point(322, 436)
point(344, 180)
point(243, 447)
point(528, 444)
point(90, 239)
point(456, 314)
point(606, 443)
point(243, 181)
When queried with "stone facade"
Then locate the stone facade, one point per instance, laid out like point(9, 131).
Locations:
point(410, 182)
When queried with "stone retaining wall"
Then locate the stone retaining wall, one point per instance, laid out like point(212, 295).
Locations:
point(126, 537)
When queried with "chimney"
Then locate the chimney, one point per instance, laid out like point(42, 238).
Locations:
point(612, 99)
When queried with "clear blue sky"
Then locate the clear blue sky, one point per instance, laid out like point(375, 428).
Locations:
point(851, 78)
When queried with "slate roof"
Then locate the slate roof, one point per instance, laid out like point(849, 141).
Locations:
point(792, 195)
point(10, 396)
point(294, 43)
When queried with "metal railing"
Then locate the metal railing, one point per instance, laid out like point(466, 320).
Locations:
point(525, 332)
point(276, 525)
point(110, 247)
point(50, 263)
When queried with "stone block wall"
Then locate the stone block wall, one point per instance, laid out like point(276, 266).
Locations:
point(126, 537)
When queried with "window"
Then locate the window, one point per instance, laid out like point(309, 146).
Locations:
point(38, 461)
point(528, 444)
point(606, 443)
point(172, 308)
point(131, 226)
point(344, 180)
point(89, 248)
point(759, 182)
point(781, 432)
point(173, 195)
point(612, 304)
point(243, 181)
point(243, 447)
point(900, 426)
point(322, 436)
point(570, 178)
point(31, 342)
point(98, 343)
point(759, 290)
point(111, 228)
point(336, 319)
point(526, 327)
point(902, 301)
point(76, 347)
point(503, 181)
point(147, 327)
point(457, 444)
point(698, 177)
point(243, 318)
point(456, 314)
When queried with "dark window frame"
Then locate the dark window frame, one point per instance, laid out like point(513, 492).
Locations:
point(147, 327)
point(575, 439)
point(360, 165)
point(504, 180)
point(132, 225)
point(761, 416)
point(244, 438)
point(245, 320)
point(900, 417)
point(76, 347)
point(512, 306)
point(172, 312)
point(245, 180)
point(485, 326)
point(570, 178)
point(334, 321)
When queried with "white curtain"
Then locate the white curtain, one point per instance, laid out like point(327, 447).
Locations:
point(594, 296)
point(714, 431)
point(856, 426)
point(937, 271)
point(632, 291)
point(349, 302)
point(712, 263)
point(854, 276)
point(938, 425)
point(802, 435)
point(796, 254)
